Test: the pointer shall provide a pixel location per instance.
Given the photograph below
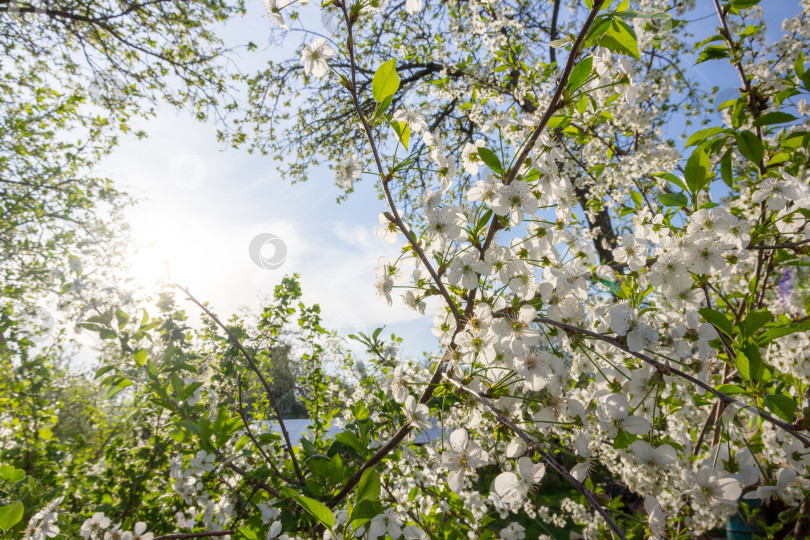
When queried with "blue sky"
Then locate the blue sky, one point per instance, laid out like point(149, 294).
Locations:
point(201, 205)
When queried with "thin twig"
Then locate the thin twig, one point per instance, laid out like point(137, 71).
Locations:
point(535, 447)
point(243, 416)
point(668, 370)
point(249, 359)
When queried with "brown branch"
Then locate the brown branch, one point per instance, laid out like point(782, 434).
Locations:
point(558, 92)
point(668, 370)
point(787, 245)
point(252, 437)
point(249, 359)
point(535, 447)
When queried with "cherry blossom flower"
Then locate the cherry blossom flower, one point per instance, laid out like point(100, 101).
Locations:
point(348, 171)
point(388, 523)
point(469, 156)
point(614, 414)
point(314, 57)
point(461, 457)
point(712, 486)
point(95, 525)
point(413, 6)
point(417, 414)
point(416, 122)
point(784, 479)
point(512, 488)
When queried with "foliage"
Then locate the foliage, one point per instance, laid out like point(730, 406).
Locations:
point(622, 321)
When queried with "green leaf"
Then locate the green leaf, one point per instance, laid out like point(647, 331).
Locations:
point(122, 318)
point(491, 160)
point(782, 406)
point(369, 486)
point(669, 177)
point(726, 171)
point(403, 131)
point(697, 171)
point(730, 389)
point(744, 4)
point(749, 362)
point(580, 74)
point(317, 509)
point(782, 331)
point(118, 387)
point(386, 81)
point(623, 440)
point(673, 199)
point(557, 43)
point(776, 117)
point(140, 357)
point(248, 532)
point(756, 320)
point(11, 474)
point(10, 515)
point(364, 511)
point(620, 39)
point(350, 439)
point(700, 136)
point(713, 52)
point(750, 147)
point(103, 370)
point(718, 320)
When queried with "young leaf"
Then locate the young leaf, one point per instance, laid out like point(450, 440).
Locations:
point(700, 136)
point(580, 74)
point(386, 81)
point(403, 132)
point(369, 486)
point(781, 331)
point(491, 160)
point(11, 474)
point(776, 117)
point(782, 406)
point(620, 39)
point(697, 170)
point(730, 389)
point(673, 199)
point(364, 511)
point(750, 147)
point(317, 509)
point(350, 439)
point(749, 362)
point(669, 177)
point(10, 515)
point(717, 319)
point(726, 172)
point(756, 320)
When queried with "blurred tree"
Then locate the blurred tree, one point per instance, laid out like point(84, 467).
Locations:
point(73, 77)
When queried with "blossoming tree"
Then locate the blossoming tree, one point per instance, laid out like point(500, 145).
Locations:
point(606, 302)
